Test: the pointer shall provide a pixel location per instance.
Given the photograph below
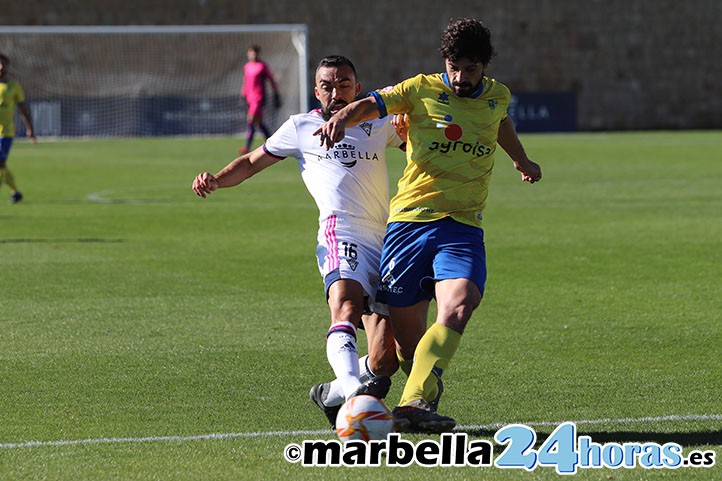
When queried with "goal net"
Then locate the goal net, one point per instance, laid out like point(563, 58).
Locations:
point(151, 81)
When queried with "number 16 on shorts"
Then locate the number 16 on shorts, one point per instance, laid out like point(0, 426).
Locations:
point(567, 452)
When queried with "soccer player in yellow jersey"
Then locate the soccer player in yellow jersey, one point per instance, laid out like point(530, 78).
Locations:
point(434, 243)
point(11, 94)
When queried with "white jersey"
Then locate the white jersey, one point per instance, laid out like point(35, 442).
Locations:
point(349, 181)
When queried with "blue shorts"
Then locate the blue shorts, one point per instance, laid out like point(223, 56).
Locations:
point(5, 144)
point(417, 254)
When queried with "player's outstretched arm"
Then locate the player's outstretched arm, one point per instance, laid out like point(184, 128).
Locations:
point(509, 141)
point(237, 171)
point(353, 114)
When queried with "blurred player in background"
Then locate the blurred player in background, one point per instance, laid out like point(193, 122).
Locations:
point(11, 94)
point(350, 187)
point(434, 244)
point(255, 75)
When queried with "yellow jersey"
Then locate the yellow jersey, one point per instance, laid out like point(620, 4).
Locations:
point(11, 93)
point(450, 148)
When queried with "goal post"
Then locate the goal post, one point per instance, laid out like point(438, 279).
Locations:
point(151, 80)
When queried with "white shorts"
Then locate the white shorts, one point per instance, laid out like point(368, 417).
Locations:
point(351, 250)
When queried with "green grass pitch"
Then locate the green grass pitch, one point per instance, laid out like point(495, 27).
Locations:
point(135, 318)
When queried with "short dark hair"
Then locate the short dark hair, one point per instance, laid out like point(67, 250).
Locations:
point(4, 58)
point(337, 61)
point(467, 38)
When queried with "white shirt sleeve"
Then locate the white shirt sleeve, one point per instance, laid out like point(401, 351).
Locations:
point(284, 142)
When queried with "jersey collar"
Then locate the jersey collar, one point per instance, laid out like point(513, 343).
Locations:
point(475, 95)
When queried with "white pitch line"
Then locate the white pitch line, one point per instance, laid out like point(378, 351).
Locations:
point(673, 417)
point(152, 439)
point(215, 436)
point(100, 197)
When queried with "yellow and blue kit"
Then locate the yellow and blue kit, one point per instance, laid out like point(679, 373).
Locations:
point(434, 230)
point(11, 94)
point(450, 149)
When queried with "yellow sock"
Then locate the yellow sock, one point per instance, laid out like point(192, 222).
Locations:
point(436, 348)
point(405, 364)
point(431, 385)
point(8, 178)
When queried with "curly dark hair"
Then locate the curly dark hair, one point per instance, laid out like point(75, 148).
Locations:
point(467, 38)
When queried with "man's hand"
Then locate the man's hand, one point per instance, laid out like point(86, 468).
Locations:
point(530, 171)
point(204, 184)
point(352, 114)
point(331, 132)
point(401, 124)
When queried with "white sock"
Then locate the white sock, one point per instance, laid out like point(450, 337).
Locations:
point(365, 372)
point(342, 354)
point(335, 394)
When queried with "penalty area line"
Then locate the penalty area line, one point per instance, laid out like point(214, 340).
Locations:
point(259, 434)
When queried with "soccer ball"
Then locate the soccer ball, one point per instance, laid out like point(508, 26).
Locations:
point(364, 418)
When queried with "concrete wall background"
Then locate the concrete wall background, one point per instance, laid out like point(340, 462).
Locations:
point(634, 64)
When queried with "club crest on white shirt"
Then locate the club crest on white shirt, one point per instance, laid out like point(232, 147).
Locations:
point(366, 126)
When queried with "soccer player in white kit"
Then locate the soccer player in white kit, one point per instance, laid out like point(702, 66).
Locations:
point(349, 184)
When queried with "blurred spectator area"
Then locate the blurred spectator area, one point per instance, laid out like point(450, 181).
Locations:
point(630, 64)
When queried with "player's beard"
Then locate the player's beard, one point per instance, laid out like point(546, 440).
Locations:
point(333, 105)
point(465, 89)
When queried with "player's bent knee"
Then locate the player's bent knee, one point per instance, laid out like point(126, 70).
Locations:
point(456, 317)
point(461, 312)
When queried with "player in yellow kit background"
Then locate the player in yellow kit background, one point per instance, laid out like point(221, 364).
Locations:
point(11, 95)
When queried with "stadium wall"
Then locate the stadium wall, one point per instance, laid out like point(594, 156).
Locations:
point(629, 64)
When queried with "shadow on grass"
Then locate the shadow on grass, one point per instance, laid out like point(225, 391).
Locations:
point(89, 240)
point(698, 438)
point(683, 439)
